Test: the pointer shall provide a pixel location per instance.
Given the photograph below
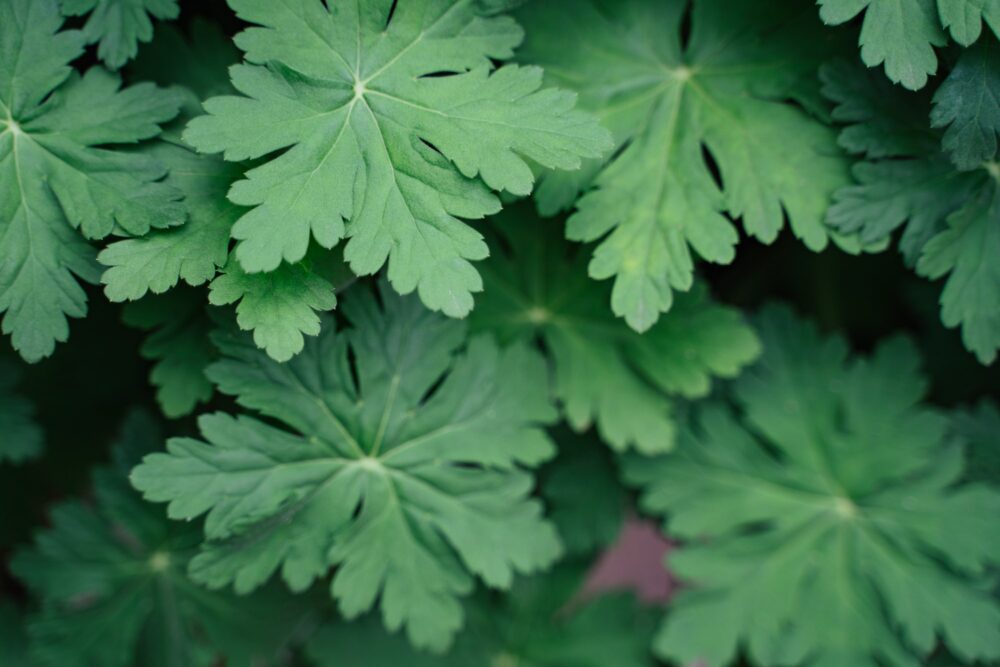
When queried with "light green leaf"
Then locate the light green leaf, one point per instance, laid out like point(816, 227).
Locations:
point(119, 25)
point(657, 204)
point(605, 373)
point(824, 519)
point(279, 307)
point(901, 34)
point(376, 149)
point(401, 467)
point(21, 438)
point(110, 578)
point(60, 170)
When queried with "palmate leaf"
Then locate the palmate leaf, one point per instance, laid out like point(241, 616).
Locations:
point(951, 218)
point(828, 523)
point(604, 371)
point(402, 467)
point(119, 25)
point(376, 148)
point(667, 100)
point(58, 175)
point(113, 590)
point(21, 437)
point(538, 623)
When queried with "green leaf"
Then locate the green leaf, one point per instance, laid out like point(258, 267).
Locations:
point(113, 590)
point(604, 371)
point(538, 623)
point(119, 25)
point(951, 217)
point(656, 203)
point(585, 500)
point(179, 344)
point(901, 34)
point(279, 307)
point(825, 519)
point(401, 468)
point(968, 104)
point(192, 252)
point(966, 252)
point(377, 150)
point(198, 59)
point(21, 437)
point(60, 171)
point(965, 18)
point(979, 428)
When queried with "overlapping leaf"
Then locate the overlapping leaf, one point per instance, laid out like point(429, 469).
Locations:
point(58, 174)
point(828, 521)
point(402, 467)
point(119, 25)
point(604, 371)
point(902, 34)
point(951, 218)
point(113, 589)
point(280, 307)
point(539, 623)
point(21, 437)
point(657, 203)
point(394, 126)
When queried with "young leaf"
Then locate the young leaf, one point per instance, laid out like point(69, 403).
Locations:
point(377, 149)
point(113, 589)
point(951, 217)
point(901, 34)
point(21, 437)
point(401, 468)
point(179, 345)
point(54, 178)
point(827, 520)
point(656, 203)
point(604, 371)
point(119, 25)
point(968, 105)
point(537, 623)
